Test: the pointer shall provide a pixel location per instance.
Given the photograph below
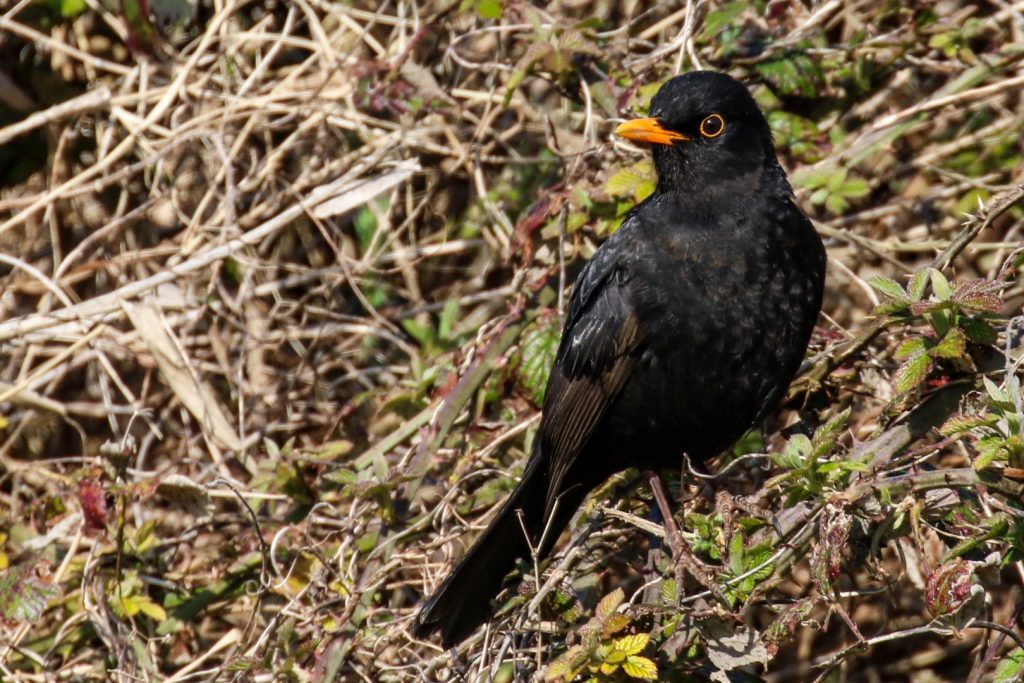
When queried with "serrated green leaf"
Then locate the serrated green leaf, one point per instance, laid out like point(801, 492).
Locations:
point(631, 644)
point(892, 307)
point(953, 345)
point(826, 435)
point(668, 592)
point(959, 423)
point(788, 461)
point(609, 603)
point(987, 456)
point(913, 371)
point(640, 667)
point(910, 347)
point(889, 288)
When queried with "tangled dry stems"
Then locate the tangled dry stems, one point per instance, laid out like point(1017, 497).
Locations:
point(236, 264)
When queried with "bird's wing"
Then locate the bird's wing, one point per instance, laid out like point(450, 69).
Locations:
point(597, 354)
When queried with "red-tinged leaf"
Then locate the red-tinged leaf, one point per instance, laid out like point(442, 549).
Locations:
point(980, 295)
point(826, 552)
point(785, 626)
point(95, 507)
point(609, 604)
point(948, 587)
point(23, 595)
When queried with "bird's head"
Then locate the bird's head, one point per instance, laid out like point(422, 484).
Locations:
point(706, 133)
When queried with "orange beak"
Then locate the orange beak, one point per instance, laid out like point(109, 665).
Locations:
point(649, 130)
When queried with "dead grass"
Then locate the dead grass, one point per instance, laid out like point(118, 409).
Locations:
point(277, 293)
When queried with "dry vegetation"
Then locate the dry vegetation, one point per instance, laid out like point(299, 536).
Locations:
point(280, 282)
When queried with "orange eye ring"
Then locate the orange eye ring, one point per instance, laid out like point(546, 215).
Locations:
point(712, 126)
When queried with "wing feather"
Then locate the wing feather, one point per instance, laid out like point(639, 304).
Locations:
point(597, 354)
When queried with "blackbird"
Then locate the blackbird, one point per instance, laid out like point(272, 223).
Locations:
point(684, 329)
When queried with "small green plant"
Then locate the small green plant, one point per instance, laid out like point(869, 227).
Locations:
point(954, 314)
point(551, 50)
point(809, 470)
point(604, 654)
point(832, 187)
point(995, 430)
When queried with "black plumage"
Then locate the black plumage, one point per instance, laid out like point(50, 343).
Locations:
point(683, 330)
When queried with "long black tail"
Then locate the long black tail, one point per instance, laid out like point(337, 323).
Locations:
point(463, 601)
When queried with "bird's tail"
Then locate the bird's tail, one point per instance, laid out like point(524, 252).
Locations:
point(463, 601)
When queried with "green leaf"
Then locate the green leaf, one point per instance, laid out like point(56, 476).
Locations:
point(997, 395)
point(488, 9)
point(961, 423)
point(447, 319)
point(793, 74)
point(69, 9)
point(910, 347)
point(855, 187)
point(721, 18)
point(940, 285)
point(640, 667)
point(1010, 667)
point(989, 454)
point(909, 375)
point(953, 345)
point(889, 288)
point(813, 178)
point(637, 181)
point(836, 203)
point(631, 644)
point(917, 284)
point(977, 330)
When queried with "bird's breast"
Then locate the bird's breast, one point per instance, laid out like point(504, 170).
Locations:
point(726, 315)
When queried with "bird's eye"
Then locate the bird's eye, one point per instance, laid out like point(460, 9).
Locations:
point(712, 126)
